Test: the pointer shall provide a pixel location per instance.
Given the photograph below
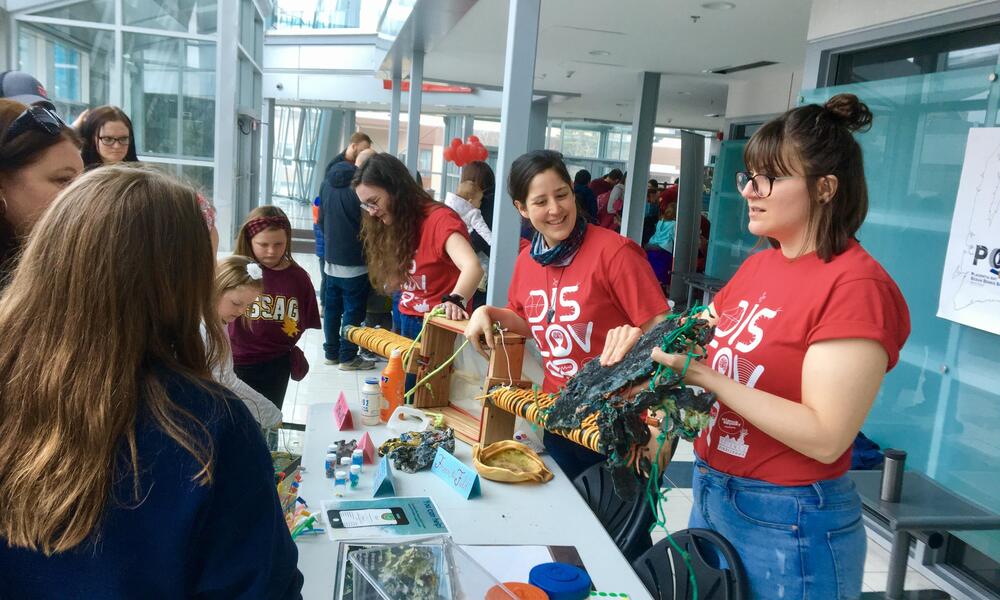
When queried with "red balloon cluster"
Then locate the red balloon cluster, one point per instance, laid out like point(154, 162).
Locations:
point(461, 154)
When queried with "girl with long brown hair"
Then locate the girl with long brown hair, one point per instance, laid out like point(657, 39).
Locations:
point(264, 343)
point(124, 470)
point(39, 156)
point(414, 244)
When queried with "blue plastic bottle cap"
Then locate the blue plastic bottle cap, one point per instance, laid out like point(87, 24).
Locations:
point(561, 581)
point(371, 380)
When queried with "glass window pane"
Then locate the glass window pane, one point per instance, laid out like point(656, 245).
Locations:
point(169, 88)
point(322, 14)
point(72, 63)
point(95, 11)
point(192, 16)
point(581, 142)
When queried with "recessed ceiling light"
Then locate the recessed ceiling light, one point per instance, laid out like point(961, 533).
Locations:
point(599, 53)
point(713, 115)
point(683, 93)
point(718, 5)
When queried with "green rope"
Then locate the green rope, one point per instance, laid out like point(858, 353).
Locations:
point(654, 493)
point(437, 312)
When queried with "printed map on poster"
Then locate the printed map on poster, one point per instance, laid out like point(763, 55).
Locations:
point(970, 283)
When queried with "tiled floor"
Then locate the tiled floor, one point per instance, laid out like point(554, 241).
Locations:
point(325, 382)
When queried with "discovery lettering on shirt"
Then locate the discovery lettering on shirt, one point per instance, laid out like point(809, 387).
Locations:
point(738, 332)
point(414, 288)
point(558, 340)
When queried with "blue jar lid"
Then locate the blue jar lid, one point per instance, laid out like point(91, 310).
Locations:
point(371, 380)
point(561, 581)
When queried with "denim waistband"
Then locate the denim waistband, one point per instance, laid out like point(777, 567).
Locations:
point(822, 490)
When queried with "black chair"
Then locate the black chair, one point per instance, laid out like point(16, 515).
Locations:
point(664, 573)
point(627, 523)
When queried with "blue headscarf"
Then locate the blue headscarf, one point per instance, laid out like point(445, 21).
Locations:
point(563, 252)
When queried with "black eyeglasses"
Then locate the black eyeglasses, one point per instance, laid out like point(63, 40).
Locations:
point(110, 141)
point(761, 183)
point(38, 118)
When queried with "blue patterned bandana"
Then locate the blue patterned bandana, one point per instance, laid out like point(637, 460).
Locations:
point(562, 254)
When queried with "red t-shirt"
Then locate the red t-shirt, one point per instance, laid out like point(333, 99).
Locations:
point(600, 185)
point(278, 317)
point(432, 274)
point(771, 311)
point(609, 283)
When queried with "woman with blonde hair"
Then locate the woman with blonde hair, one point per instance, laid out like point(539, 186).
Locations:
point(238, 283)
point(125, 471)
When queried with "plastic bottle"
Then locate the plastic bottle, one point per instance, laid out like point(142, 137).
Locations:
point(355, 475)
point(340, 483)
point(345, 463)
point(330, 464)
point(371, 402)
point(393, 379)
point(358, 459)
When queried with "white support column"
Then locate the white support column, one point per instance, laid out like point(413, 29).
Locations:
point(639, 155)
point(515, 116)
point(413, 111)
point(468, 126)
point(687, 232)
point(537, 125)
point(267, 168)
point(350, 125)
point(397, 85)
point(225, 122)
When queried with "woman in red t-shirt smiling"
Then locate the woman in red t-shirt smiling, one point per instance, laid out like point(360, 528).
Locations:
point(414, 244)
point(805, 332)
point(572, 285)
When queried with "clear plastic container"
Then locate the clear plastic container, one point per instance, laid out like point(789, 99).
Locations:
point(432, 568)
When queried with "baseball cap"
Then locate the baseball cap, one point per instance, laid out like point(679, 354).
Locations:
point(23, 88)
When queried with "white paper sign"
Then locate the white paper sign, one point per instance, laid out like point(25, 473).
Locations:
point(970, 283)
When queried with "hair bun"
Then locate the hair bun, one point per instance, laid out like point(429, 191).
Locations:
point(849, 111)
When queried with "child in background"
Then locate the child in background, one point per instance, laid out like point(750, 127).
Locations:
point(238, 283)
point(264, 350)
point(466, 202)
point(663, 237)
point(660, 248)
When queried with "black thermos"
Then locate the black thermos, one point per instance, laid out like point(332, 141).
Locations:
point(892, 475)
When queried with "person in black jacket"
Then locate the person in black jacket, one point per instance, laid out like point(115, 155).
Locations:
point(347, 286)
point(585, 197)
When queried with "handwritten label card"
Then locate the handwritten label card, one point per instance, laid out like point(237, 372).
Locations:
point(367, 446)
point(383, 485)
point(461, 478)
point(342, 414)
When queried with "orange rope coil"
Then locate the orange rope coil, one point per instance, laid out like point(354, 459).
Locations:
point(379, 341)
point(534, 407)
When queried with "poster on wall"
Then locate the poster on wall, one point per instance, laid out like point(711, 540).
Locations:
point(970, 283)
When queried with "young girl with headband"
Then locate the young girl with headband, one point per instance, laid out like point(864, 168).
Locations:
point(264, 350)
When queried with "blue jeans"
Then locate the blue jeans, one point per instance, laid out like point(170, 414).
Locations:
point(346, 302)
point(796, 542)
point(571, 457)
point(397, 327)
point(409, 327)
